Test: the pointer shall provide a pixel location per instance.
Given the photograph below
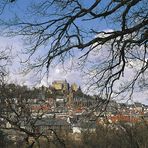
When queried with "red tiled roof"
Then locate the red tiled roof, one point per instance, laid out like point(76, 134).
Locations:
point(124, 118)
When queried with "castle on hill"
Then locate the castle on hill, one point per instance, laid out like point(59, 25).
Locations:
point(64, 86)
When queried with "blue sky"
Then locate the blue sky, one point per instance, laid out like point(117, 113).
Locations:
point(21, 8)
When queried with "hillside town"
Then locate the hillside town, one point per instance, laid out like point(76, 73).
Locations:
point(73, 73)
point(64, 107)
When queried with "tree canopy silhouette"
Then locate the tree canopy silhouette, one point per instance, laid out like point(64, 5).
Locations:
point(114, 30)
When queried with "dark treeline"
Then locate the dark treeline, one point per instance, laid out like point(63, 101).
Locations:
point(115, 136)
point(18, 91)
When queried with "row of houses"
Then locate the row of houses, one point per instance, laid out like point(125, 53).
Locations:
point(70, 112)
